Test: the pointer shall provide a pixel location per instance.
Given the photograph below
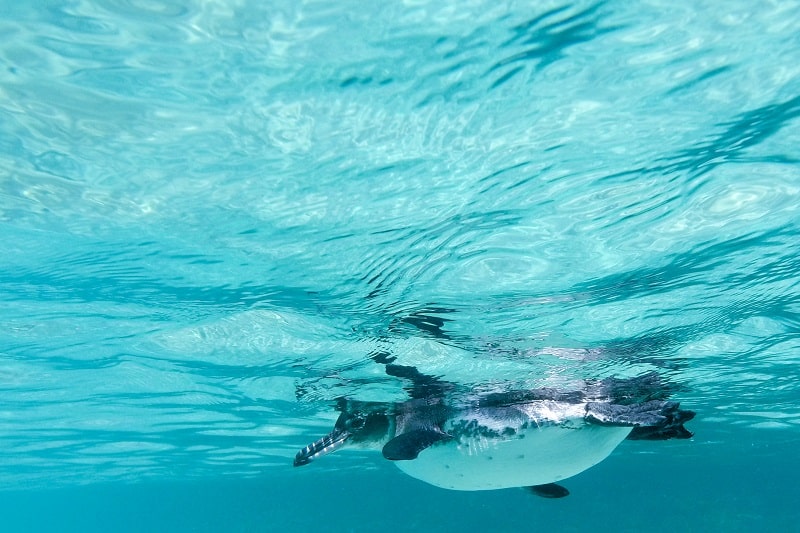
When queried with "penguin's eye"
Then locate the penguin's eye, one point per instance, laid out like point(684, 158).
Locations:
point(357, 423)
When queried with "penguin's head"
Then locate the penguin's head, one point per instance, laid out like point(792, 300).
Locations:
point(360, 423)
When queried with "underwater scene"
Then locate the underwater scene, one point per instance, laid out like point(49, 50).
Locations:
point(423, 265)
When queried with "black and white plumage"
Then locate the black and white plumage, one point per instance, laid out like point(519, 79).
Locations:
point(498, 440)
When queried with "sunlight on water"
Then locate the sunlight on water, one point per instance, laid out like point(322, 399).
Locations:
point(218, 218)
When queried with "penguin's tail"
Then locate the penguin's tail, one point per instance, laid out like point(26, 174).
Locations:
point(653, 420)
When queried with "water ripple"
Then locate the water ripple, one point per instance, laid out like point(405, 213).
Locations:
point(218, 218)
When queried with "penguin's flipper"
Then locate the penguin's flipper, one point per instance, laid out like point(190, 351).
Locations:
point(422, 385)
point(407, 446)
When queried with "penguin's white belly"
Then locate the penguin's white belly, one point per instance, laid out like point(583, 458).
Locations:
point(534, 456)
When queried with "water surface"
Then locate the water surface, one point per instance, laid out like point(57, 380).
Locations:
point(219, 217)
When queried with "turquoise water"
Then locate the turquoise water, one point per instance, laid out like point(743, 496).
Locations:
point(218, 217)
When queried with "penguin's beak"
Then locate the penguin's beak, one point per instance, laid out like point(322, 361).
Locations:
point(330, 442)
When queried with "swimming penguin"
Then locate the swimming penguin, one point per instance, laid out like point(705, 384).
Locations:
point(530, 438)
